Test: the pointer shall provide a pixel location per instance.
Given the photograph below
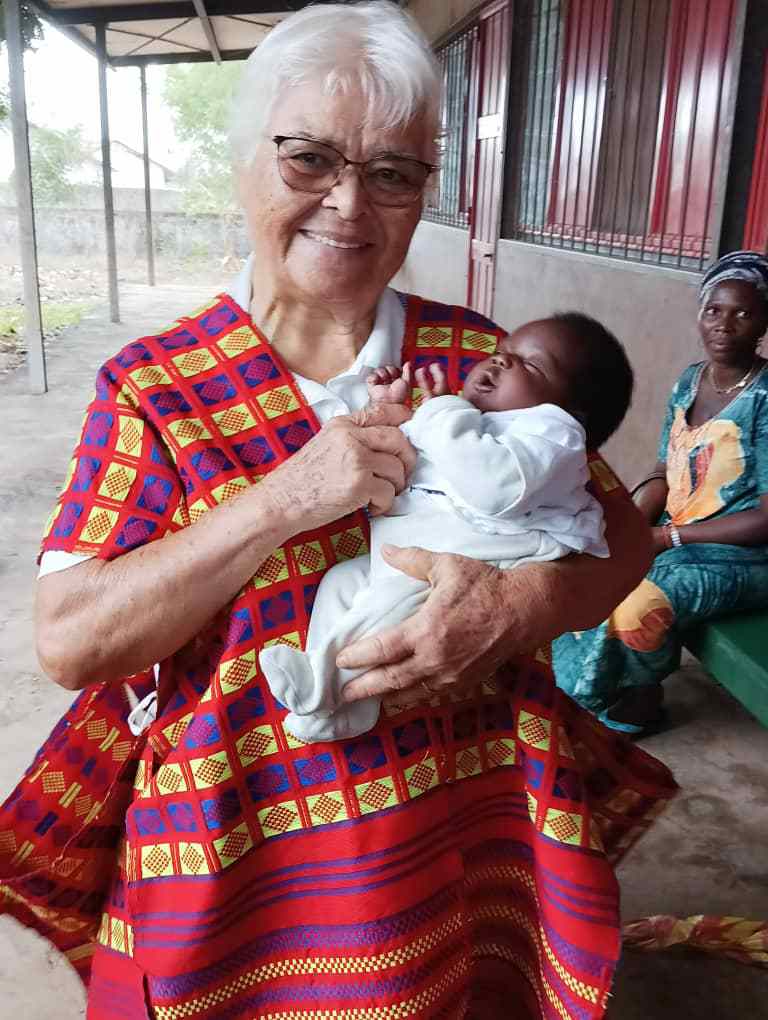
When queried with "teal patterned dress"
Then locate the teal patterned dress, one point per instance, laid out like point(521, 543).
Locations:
point(716, 468)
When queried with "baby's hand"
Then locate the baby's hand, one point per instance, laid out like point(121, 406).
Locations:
point(432, 381)
point(390, 385)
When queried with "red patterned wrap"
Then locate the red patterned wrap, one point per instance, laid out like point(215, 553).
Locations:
point(455, 860)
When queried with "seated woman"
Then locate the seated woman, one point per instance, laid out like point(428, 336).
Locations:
point(707, 498)
point(457, 858)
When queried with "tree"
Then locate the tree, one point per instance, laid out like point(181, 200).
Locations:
point(54, 156)
point(31, 32)
point(199, 97)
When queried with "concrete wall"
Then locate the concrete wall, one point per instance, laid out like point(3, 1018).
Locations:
point(436, 266)
point(80, 233)
point(91, 196)
point(652, 311)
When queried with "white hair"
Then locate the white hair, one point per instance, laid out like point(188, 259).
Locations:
point(372, 46)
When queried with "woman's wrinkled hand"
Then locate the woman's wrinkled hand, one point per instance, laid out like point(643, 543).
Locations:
point(359, 460)
point(474, 620)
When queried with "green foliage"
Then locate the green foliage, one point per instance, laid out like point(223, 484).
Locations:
point(54, 156)
point(31, 25)
point(56, 316)
point(31, 32)
point(199, 96)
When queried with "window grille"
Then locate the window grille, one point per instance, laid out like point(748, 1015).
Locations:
point(449, 201)
point(618, 111)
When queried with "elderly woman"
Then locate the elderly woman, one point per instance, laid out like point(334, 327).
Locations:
point(707, 498)
point(452, 862)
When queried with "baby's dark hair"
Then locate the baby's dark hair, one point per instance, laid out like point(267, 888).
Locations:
point(602, 389)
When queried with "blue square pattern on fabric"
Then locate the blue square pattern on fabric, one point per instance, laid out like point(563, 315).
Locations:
point(365, 754)
point(182, 817)
point(217, 811)
point(313, 771)
point(267, 782)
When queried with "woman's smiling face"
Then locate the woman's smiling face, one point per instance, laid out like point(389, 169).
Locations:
point(336, 247)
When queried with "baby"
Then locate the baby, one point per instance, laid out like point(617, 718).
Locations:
point(500, 475)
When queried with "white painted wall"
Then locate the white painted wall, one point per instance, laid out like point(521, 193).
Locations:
point(436, 266)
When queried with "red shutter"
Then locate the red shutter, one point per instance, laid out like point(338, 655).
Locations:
point(580, 105)
point(697, 58)
point(756, 229)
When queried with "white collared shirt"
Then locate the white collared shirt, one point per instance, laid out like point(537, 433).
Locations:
point(343, 394)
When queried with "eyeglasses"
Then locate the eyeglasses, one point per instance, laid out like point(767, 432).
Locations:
point(317, 168)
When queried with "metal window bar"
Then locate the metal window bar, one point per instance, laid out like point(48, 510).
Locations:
point(449, 201)
point(619, 128)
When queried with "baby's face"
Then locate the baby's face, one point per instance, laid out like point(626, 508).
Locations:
point(535, 365)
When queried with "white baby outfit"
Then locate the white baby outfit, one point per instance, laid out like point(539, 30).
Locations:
point(506, 487)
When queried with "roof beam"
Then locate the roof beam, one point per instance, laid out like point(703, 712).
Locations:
point(210, 35)
point(165, 9)
point(200, 57)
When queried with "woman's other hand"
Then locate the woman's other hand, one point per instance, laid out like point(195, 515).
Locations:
point(359, 460)
point(458, 637)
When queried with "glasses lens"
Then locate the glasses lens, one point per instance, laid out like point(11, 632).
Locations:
point(394, 181)
point(308, 166)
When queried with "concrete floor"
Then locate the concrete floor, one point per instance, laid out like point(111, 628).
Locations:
point(707, 855)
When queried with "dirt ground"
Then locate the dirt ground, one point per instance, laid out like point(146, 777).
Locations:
point(707, 854)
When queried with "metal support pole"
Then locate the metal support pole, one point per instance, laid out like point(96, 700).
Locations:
point(147, 189)
point(109, 207)
point(33, 327)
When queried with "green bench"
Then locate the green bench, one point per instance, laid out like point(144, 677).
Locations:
point(734, 649)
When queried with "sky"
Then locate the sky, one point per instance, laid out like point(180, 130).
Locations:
point(62, 92)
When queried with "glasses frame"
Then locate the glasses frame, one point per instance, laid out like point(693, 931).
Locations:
point(358, 164)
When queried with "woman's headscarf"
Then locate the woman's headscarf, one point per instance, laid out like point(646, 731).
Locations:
point(750, 266)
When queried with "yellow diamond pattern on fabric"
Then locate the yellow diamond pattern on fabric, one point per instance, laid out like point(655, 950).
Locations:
point(100, 523)
point(349, 544)
point(176, 730)
point(194, 362)
point(130, 433)
point(197, 509)
point(280, 818)
point(188, 430)
point(533, 805)
point(257, 743)
point(376, 795)
point(325, 808)
point(7, 842)
point(237, 341)
point(83, 804)
point(234, 487)
point(234, 419)
point(277, 401)
point(473, 341)
point(434, 336)
point(534, 730)
point(236, 673)
point(53, 782)
point(149, 375)
point(293, 640)
point(273, 569)
point(192, 860)
point(117, 481)
point(500, 752)
point(309, 557)
point(291, 741)
point(156, 861)
point(603, 475)
point(421, 777)
point(563, 826)
point(468, 762)
point(170, 779)
point(210, 771)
